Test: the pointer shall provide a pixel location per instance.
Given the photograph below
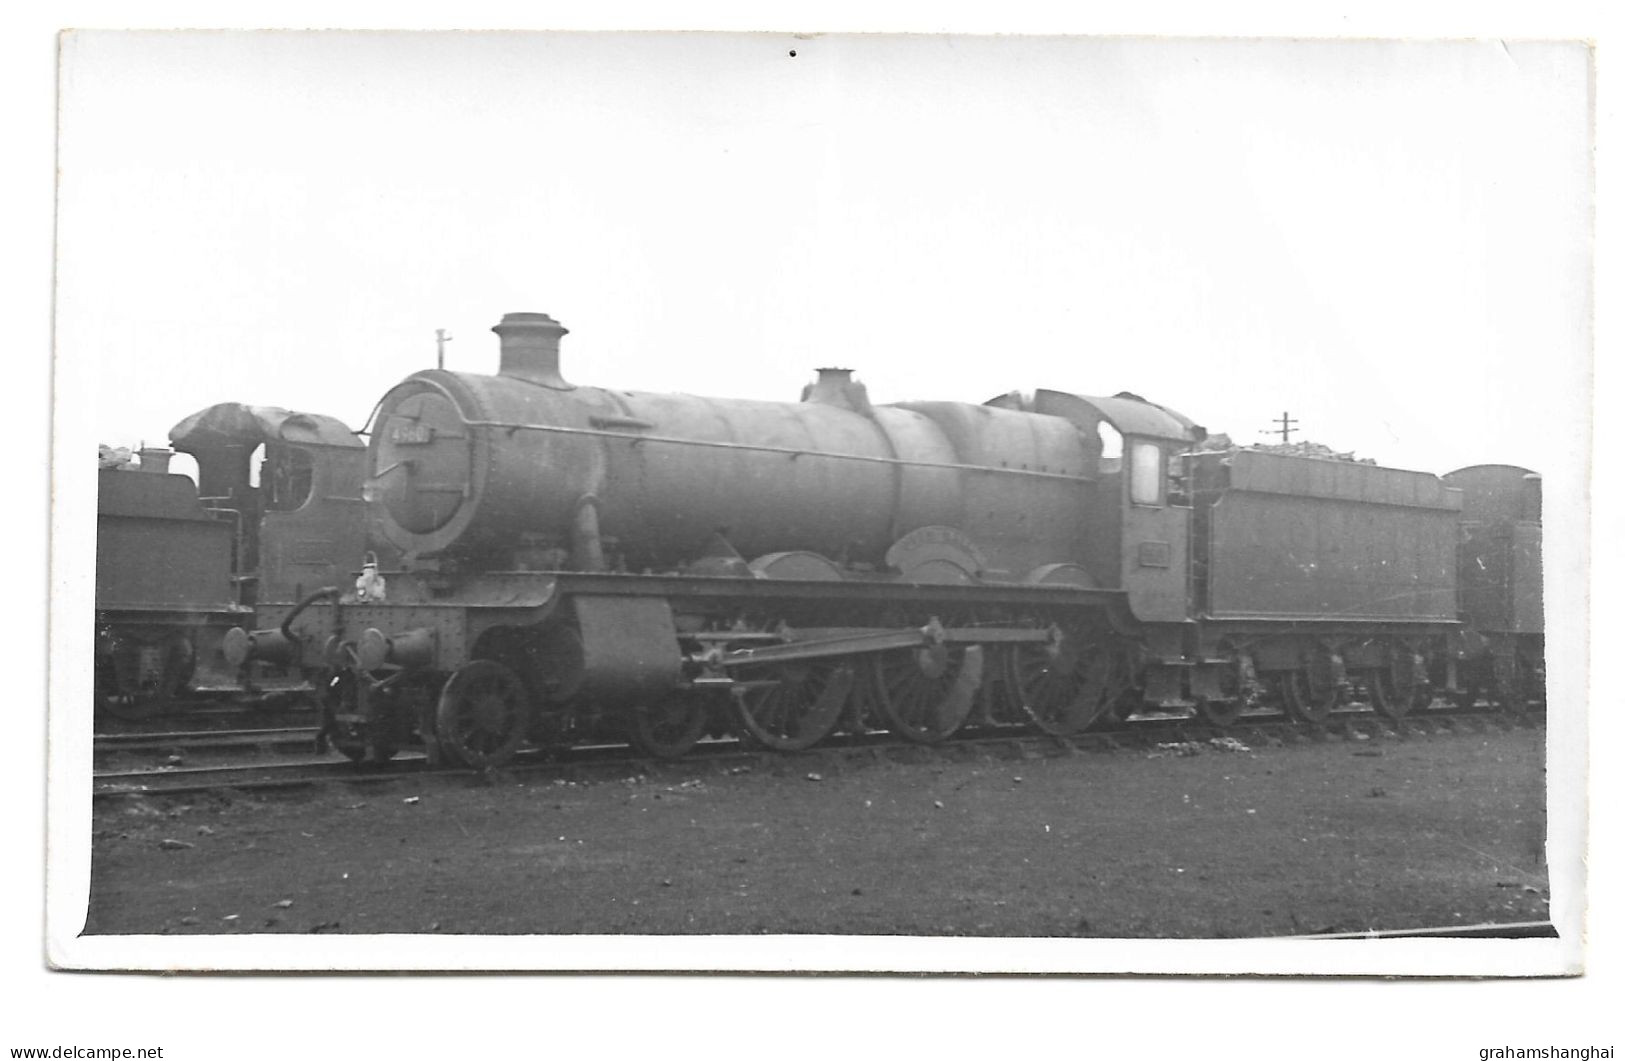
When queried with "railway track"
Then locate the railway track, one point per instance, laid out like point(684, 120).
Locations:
point(1155, 735)
point(205, 739)
point(288, 736)
point(201, 716)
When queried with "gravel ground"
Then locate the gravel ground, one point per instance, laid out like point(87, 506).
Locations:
point(1337, 836)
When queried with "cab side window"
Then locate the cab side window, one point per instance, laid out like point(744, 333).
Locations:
point(287, 477)
point(1146, 476)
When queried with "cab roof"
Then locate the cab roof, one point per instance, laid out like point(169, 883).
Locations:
point(235, 422)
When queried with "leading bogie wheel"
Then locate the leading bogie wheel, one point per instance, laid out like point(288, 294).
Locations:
point(671, 726)
point(482, 715)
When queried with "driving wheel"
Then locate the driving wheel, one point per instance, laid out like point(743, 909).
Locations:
point(925, 694)
point(791, 706)
point(1062, 687)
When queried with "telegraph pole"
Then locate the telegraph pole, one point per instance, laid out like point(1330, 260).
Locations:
point(440, 341)
point(1287, 426)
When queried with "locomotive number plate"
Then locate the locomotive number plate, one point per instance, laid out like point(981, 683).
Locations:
point(1156, 554)
point(411, 433)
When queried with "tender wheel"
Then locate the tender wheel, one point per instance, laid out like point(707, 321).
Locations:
point(1515, 685)
point(1062, 688)
point(1221, 714)
point(482, 715)
point(925, 694)
point(669, 728)
point(1534, 683)
point(1304, 702)
point(142, 676)
point(1395, 689)
point(800, 707)
point(1467, 696)
point(130, 707)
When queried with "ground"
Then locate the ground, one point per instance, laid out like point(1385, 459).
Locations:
point(1277, 840)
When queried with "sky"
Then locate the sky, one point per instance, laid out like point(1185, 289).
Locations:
point(1388, 240)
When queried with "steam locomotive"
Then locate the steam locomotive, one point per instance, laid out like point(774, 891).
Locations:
point(546, 562)
point(179, 563)
point(164, 595)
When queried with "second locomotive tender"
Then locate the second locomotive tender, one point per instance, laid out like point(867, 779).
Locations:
point(578, 561)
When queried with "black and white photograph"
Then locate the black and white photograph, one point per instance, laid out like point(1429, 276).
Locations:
point(1006, 504)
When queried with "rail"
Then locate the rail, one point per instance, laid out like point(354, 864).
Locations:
point(1152, 735)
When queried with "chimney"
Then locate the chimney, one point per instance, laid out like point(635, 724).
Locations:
point(530, 348)
point(155, 459)
point(835, 386)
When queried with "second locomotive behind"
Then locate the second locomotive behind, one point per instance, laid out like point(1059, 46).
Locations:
point(578, 561)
